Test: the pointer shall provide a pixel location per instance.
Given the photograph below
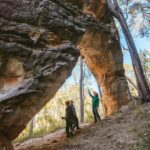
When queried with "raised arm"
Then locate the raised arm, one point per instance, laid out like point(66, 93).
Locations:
point(63, 118)
point(90, 93)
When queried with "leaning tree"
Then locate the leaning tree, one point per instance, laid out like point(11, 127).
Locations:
point(143, 89)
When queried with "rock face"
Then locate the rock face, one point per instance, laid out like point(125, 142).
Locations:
point(37, 54)
point(38, 51)
point(102, 54)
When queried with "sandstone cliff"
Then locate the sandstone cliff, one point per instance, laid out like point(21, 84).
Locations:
point(38, 50)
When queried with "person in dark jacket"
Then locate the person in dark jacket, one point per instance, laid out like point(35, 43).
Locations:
point(69, 117)
point(75, 118)
point(95, 105)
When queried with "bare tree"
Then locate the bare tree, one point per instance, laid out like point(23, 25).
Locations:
point(143, 89)
point(142, 8)
point(81, 91)
point(31, 127)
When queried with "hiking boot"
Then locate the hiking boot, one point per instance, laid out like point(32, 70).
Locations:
point(71, 134)
point(68, 136)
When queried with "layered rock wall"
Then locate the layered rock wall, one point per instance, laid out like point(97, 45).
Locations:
point(37, 54)
point(102, 54)
point(38, 40)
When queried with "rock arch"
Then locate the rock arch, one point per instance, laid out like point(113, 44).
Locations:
point(38, 40)
point(102, 54)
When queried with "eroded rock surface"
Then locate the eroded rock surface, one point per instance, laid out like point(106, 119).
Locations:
point(37, 54)
point(38, 51)
point(102, 54)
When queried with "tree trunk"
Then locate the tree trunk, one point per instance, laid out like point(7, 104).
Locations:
point(143, 89)
point(31, 127)
point(81, 91)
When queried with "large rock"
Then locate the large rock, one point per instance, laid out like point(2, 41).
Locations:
point(38, 51)
point(37, 54)
point(102, 53)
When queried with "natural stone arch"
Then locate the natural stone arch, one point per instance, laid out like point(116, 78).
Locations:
point(103, 55)
point(106, 63)
point(39, 38)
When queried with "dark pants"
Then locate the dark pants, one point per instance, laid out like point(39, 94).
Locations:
point(76, 123)
point(68, 126)
point(96, 114)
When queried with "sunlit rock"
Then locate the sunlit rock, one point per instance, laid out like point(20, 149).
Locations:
point(38, 40)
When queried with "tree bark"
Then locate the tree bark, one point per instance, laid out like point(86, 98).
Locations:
point(31, 127)
point(143, 89)
point(81, 91)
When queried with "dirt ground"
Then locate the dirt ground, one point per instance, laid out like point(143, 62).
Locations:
point(127, 129)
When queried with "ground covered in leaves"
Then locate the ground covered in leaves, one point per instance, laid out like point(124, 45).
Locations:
point(127, 129)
